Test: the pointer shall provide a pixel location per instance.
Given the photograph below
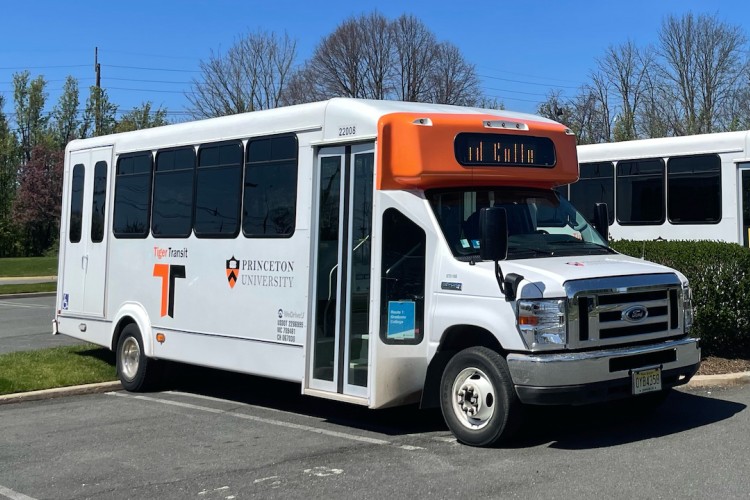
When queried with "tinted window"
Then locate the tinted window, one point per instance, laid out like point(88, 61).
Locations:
point(640, 192)
point(694, 189)
point(173, 193)
point(132, 196)
point(270, 192)
point(218, 189)
point(595, 185)
point(76, 203)
point(98, 202)
point(403, 280)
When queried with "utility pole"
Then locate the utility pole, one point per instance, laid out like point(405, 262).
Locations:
point(98, 103)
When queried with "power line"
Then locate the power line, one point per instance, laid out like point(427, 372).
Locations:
point(151, 69)
point(47, 67)
point(528, 83)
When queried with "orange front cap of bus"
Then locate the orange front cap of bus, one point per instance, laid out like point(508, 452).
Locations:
point(417, 151)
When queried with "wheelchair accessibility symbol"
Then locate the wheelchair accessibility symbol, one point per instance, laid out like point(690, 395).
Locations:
point(65, 301)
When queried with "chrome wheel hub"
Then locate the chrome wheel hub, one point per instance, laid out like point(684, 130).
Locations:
point(473, 398)
point(130, 358)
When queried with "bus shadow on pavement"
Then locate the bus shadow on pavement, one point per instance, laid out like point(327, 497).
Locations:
point(563, 427)
point(613, 424)
point(286, 396)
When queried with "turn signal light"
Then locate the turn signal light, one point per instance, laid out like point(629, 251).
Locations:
point(160, 338)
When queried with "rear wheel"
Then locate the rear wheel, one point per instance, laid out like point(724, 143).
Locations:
point(135, 371)
point(479, 403)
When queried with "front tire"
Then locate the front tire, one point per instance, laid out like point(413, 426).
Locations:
point(477, 397)
point(136, 372)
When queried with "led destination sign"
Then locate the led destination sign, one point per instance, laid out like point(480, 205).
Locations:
point(491, 150)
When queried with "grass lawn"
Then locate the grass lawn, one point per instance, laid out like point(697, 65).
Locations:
point(28, 288)
point(28, 266)
point(55, 367)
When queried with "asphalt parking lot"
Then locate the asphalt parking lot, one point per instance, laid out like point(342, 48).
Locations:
point(219, 435)
point(26, 324)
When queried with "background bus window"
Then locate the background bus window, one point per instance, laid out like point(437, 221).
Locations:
point(595, 185)
point(133, 196)
point(694, 189)
point(218, 190)
point(76, 203)
point(173, 193)
point(402, 280)
point(270, 196)
point(640, 192)
point(98, 203)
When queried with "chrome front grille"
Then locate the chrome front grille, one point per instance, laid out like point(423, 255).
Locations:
point(621, 310)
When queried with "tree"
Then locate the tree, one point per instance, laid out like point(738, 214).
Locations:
point(452, 80)
point(250, 76)
point(99, 116)
point(142, 117)
point(29, 97)
point(623, 72)
point(9, 160)
point(416, 48)
point(65, 123)
point(371, 58)
point(37, 203)
point(703, 64)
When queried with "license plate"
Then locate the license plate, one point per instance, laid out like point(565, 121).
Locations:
point(648, 380)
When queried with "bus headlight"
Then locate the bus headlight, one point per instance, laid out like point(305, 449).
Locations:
point(542, 323)
point(687, 304)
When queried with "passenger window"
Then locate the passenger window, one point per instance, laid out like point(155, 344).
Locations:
point(98, 204)
point(173, 193)
point(595, 185)
point(402, 280)
point(270, 191)
point(76, 203)
point(218, 190)
point(690, 179)
point(640, 192)
point(132, 196)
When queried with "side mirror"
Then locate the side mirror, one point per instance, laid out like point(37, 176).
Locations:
point(601, 220)
point(493, 226)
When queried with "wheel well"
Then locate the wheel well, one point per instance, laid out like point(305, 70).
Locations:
point(125, 321)
point(455, 339)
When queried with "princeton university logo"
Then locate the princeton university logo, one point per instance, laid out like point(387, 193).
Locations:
point(233, 271)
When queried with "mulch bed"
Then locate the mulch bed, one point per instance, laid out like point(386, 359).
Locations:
point(717, 366)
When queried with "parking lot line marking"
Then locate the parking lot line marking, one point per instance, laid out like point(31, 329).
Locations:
point(13, 495)
point(270, 421)
point(21, 305)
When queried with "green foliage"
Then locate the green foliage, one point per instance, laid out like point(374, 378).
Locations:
point(142, 117)
point(719, 275)
point(56, 367)
point(27, 288)
point(28, 266)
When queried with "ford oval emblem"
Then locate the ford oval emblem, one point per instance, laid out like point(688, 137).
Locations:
point(635, 314)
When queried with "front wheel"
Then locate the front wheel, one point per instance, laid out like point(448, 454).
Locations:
point(136, 372)
point(479, 403)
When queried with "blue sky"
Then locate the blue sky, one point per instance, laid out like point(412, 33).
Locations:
point(150, 50)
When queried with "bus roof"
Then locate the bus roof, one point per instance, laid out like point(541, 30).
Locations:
point(415, 155)
point(723, 142)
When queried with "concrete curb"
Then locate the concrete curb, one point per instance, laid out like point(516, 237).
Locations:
point(30, 295)
point(724, 380)
point(60, 392)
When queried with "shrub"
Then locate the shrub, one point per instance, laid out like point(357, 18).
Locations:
point(719, 275)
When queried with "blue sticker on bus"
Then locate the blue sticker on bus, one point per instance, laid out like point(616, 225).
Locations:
point(401, 320)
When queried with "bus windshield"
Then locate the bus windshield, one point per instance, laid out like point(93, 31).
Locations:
point(540, 222)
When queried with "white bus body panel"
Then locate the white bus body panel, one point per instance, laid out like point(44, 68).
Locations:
point(733, 149)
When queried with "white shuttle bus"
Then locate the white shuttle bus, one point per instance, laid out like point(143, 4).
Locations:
point(378, 253)
point(674, 188)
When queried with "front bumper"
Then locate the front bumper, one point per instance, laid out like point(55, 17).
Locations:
point(592, 376)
